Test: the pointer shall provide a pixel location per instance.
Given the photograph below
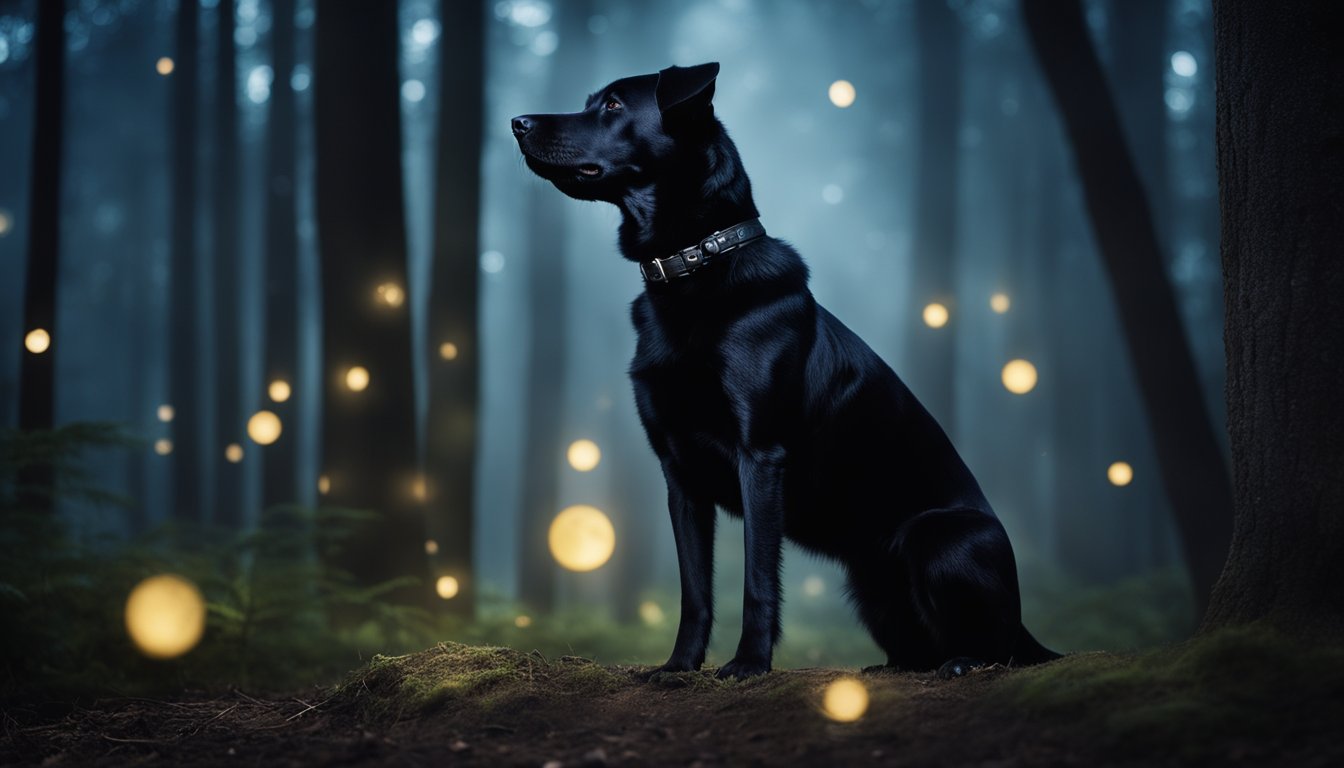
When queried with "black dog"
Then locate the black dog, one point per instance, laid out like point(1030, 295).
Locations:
point(760, 401)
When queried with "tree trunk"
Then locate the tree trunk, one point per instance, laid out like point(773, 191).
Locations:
point(453, 338)
point(1193, 473)
point(933, 350)
point(368, 431)
point(279, 484)
point(37, 370)
point(1281, 179)
point(228, 354)
point(184, 299)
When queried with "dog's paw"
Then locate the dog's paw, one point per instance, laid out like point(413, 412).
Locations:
point(958, 667)
point(741, 669)
point(672, 668)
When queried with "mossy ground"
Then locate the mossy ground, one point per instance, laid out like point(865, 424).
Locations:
point(1246, 696)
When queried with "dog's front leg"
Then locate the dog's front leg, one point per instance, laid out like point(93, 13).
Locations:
point(762, 477)
point(693, 528)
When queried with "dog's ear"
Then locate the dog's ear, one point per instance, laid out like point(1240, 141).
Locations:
point(683, 88)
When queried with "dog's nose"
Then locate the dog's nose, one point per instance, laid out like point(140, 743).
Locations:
point(521, 125)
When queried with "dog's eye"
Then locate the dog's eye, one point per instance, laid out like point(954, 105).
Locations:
point(613, 105)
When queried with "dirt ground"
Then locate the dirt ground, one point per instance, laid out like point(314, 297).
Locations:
point(461, 705)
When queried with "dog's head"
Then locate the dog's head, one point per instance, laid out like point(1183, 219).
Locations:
point(626, 135)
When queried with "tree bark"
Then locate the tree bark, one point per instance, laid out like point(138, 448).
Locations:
point(1193, 473)
point(37, 371)
point(1281, 180)
point(279, 484)
point(369, 441)
point(455, 372)
point(228, 354)
point(184, 299)
point(933, 350)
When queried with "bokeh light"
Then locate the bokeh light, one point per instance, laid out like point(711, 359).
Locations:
point(166, 413)
point(264, 427)
point(447, 587)
point(448, 350)
point(279, 390)
point(233, 452)
point(935, 315)
point(1184, 64)
point(651, 613)
point(165, 616)
point(845, 700)
point(1120, 473)
point(584, 455)
point(581, 538)
point(390, 294)
point(357, 378)
point(323, 485)
point(431, 547)
point(419, 488)
point(841, 93)
point(6, 222)
point(813, 586)
point(1019, 377)
point(523, 621)
point(164, 66)
point(37, 341)
point(1000, 303)
point(163, 446)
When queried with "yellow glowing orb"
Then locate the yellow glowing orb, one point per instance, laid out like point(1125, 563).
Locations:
point(582, 538)
point(1120, 473)
point(37, 341)
point(841, 93)
point(651, 613)
point(523, 621)
point(323, 485)
point(357, 378)
point(845, 700)
point(1000, 303)
point(166, 413)
point(233, 452)
point(1019, 377)
point(935, 315)
point(164, 66)
point(813, 586)
point(448, 350)
point(447, 587)
point(420, 489)
point(431, 547)
point(279, 390)
point(163, 446)
point(264, 428)
point(6, 222)
point(390, 294)
point(165, 616)
point(584, 455)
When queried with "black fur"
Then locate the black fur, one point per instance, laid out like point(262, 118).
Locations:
point(759, 401)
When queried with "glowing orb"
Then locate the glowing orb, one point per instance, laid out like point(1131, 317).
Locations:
point(233, 452)
point(447, 587)
point(37, 341)
point(165, 616)
point(420, 489)
point(935, 315)
point(166, 413)
point(264, 428)
point(164, 66)
point(651, 613)
point(813, 586)
point(1019, 377)
point(163, 446)
point(1000, 303)
point(279, 390)
point(431, 547)
point(6, 222)
point(842, 93)
point(523, 621)
point(357, 378)
point(323, 485)
point(391, 294)
point(845, 700)
point(1120, 473)
point(448, 350)
point(582, 538)
point(584, 455)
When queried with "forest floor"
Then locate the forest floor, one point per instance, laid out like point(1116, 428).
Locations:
point(1245, 697)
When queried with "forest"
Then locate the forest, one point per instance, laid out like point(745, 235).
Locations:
point(318, 443)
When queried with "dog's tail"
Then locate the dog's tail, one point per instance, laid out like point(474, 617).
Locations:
point(1029, 651)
